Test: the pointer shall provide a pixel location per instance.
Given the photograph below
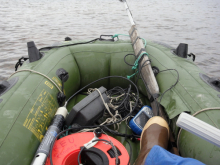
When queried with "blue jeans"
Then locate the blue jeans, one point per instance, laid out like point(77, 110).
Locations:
point(160, 156)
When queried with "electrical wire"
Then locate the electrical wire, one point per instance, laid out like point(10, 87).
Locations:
point(129, 55)
point(120, 104)
point(100, 80)
point(140, 74)
point(121, 99)
point(130, 153)
point(171, 85)
point(129, 89)
point(136, 102)
point(79, 43)
point(120, 134)
point(78, 157)
point(140, 67)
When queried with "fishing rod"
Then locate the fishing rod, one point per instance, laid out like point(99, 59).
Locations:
point(146, 71)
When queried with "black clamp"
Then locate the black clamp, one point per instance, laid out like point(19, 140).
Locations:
point(193, 56)
point(154, 97)
point(63, 75)
point(155, 70)
point(61, 97)
point(98, 132)
point(20, 62)
point(103, 39)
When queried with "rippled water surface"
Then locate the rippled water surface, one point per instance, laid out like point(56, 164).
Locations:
point(194, 22)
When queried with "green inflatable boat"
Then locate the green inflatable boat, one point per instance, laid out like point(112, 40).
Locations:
point(29, 98)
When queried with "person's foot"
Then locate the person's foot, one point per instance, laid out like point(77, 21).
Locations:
point(155, 132)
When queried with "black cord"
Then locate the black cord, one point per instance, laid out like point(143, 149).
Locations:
point(122, 102)
point(100, 80)
point(81, 149)
point(79, 43)
point(62, 85)
point(116, 91)
point(120, 134)
point(172, 85)
point(156, 102)
point(148, 90)
point(140, 74)
point(130, 153)
point(126, 61)
point(126, 96)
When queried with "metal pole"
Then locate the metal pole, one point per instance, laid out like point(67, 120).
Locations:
point(128, 12)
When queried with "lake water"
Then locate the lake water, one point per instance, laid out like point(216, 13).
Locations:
point(194, 22)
